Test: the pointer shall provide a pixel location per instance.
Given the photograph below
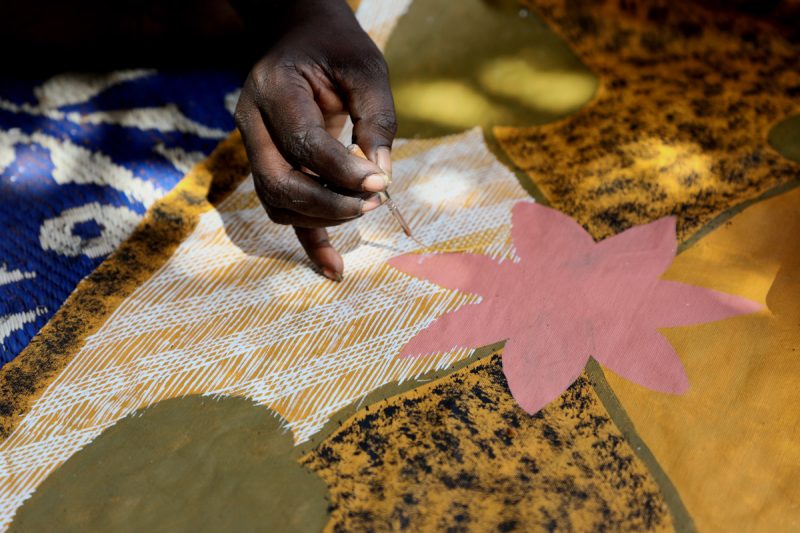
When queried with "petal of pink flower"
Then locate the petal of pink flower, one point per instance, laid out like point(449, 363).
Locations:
point(677, 304)
point(649, 248)
point(540, 232)
point(569, 298)
point(647, 358)
point(472, 273)
point(469, 326)
point(539, 368)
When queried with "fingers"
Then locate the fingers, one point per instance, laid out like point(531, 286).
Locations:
point(297, 127)
point(372, 111)
point(294, 218)
point(321, 252)
point(287, 114)
point(295, 191)
point(284, 190)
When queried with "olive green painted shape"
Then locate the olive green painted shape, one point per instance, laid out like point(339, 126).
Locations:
point(456, 64)
point(785, 138)
point(187, 464)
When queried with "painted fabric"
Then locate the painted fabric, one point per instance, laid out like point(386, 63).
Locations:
point(82, 157)
point(207, 319)
point(236, 311)
point(592, 289)
point(686, 99)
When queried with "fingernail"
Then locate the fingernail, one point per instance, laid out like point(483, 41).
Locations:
point(375, 182)
point(373, 202)
point(331, 274)
point(356, 150)
point(384, 157)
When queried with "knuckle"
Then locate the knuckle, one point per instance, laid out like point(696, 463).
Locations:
point(270, 73)
point(346, 208)
point(277, 216)
point(261, 190)
point(247, 107)
point(297, 143)
point(242, 116)
point(386, 123)
point(265, 79)
point(375, 65)
point(280, 191)
point(261, 77)
point(271, 190)
point(364, 69)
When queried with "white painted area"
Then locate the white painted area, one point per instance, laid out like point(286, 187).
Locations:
point(12, 276)
point(29, 109)
point(165, 118)
point(379, 17)
point(8, 140)
point(74, 88)
point(181, 159)
point(11, 323)
point(117, 222)
point(231, 99)
point(7, 156)
point(76, 164)
point(217, 317)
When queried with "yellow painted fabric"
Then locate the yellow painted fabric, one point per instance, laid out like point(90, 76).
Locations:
point(679, 124)
point(460, 453)
point(236, 310)
point(730, 445)
point(168, 222)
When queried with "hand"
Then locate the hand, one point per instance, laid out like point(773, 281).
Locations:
point(293, 104)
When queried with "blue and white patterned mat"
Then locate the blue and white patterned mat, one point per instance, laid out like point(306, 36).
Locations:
point(82, 157)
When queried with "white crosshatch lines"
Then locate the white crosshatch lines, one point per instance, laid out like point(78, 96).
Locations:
point(237, 310)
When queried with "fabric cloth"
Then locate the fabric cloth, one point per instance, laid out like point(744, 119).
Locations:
point(206, 297)
point(82, 157)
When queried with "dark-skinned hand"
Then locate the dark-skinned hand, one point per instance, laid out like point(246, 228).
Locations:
point(321, 69)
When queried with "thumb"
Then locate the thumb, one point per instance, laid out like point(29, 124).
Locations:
point(321, 252)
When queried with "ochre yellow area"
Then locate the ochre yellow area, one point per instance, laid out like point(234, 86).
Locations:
point(165, 225)
point(687, 97)
point(460, 452)
point(236, 310)
point(730, 445)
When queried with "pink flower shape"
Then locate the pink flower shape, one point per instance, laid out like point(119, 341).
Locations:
point(568, 298)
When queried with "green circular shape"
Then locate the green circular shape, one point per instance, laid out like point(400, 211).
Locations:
point(785, 138)
point(188, 464)
point(459, 64)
